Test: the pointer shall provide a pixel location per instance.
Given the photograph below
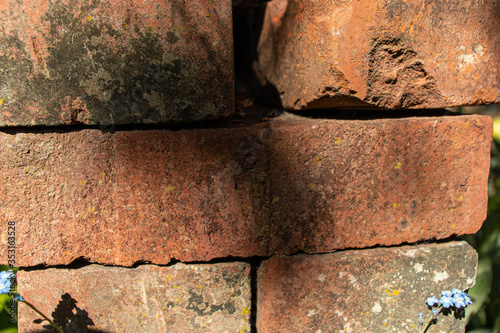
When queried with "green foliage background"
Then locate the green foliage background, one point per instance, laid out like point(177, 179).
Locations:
point(5, 327)
point(484, 314)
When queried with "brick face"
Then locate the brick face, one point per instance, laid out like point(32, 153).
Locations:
point(288, 185)
point(375, 290)
point(180, 298)
point(377, 53)
point(118, 62)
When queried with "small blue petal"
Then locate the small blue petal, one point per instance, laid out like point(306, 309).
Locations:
point(467, 299)
point(446, 302)
point(456, 291)
point(446, 293)
point(18, 297)
point(5, 286)
point(420, 318)
point(459, 301)
point(431, 301)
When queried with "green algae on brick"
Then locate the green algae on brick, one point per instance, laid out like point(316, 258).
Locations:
point(92, 62)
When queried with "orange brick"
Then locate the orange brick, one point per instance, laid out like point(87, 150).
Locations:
point(375, 290)
point(291, 184)
point(377, 53)
point(179, 298)
point(115, 62)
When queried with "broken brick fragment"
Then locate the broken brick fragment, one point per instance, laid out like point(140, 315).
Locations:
point(377, 53)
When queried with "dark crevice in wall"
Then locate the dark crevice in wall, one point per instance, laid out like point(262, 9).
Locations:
point(264, 114)
point(255, 262)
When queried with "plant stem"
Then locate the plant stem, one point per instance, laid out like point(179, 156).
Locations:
point(427, 326)
point(44, 316)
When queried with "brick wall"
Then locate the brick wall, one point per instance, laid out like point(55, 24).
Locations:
point(152, 194)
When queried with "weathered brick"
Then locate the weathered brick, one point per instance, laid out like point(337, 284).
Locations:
point(180, 298)
point(375, 290)
point(114, 62)
point(382, 53)
point(291, 184)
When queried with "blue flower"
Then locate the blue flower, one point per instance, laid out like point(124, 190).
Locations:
point(18, 297)
point(431, 301)
point(446, 301)
point(467, 299)
point(446, 293)
point(459, 301)
point(420, 318)
point(6, 275)
point(456, 291)
point(4, 286)
point(435, 314)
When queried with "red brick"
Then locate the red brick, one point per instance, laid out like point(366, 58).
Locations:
point(291, 184)
point(115, 62)
point(180, 298)
point(378, 53)
point(375, 290)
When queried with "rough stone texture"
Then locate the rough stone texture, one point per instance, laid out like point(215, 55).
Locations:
point(114, 62)
point(382, 53)
point(287, 185)
point(375, 290)
point(180, 298)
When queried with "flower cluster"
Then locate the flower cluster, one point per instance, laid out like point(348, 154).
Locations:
point(455, 298)
point(6, 281)
point(450, 300)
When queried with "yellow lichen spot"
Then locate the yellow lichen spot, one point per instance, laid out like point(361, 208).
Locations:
point(452, 226)
point(394, 205)
point(83, 182)
point(265, 231)
point(1, 101)
point(103, 174)
point(337, 141)
point(169, 277)
point(170, 187)
point(199, 287)
point(466, 124)
point(318, 159)
point(88, 18)
point(275, 200)
point(460, 198)
point(220, 157)
point(398, 166)
point(312, 186)
point(147, 29)
point(91, 209)
point(178, 299)
point(208, 15)
point(245, 311)
point(451, 209)
point(395, 293)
